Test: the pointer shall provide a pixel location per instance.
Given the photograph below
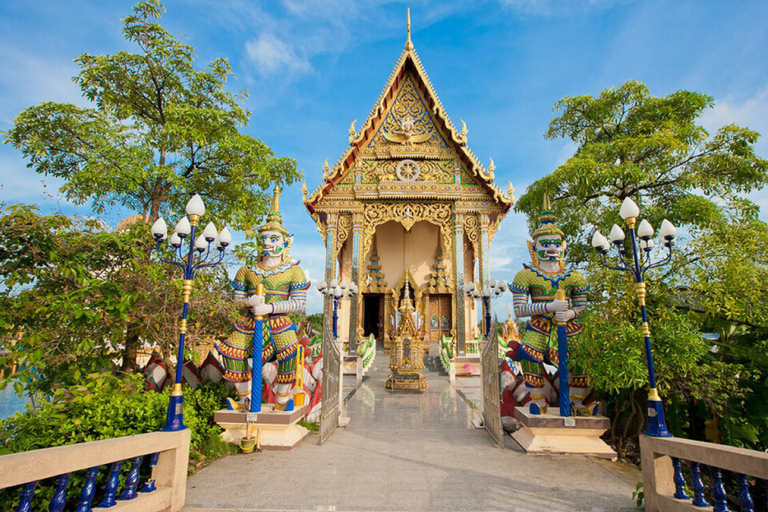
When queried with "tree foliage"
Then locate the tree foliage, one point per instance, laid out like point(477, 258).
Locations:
point(653, 150)
point(632, 144)
point(72, 296)
point(158, 132)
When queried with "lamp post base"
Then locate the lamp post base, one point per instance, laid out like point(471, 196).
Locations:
point(657, 425)
point(175, 419)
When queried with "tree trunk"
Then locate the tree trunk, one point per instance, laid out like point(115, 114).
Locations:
point(131, 350)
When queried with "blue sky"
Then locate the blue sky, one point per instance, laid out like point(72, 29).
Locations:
point(311, 67)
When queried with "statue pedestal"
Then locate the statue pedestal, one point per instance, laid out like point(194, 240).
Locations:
point(552, 434)
point(277, 430)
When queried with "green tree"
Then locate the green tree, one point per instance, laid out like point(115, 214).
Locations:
point(72, 294)
point(159, 131)
point(632, 144)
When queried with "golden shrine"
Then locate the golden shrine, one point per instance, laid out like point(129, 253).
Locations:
point(408, 209)
point(406, 356)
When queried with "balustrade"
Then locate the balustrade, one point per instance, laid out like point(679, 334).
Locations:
point(664, 482)
point(164, 490)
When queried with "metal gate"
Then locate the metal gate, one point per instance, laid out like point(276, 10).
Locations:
point(329, 412)
point(491, 395)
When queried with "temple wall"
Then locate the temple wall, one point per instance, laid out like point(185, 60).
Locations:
point(345, 274)
point(415, 250)
point(390, 242)
point(420, 248)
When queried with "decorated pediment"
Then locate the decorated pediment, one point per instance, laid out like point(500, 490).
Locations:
point(408, 128)
point(408, 149)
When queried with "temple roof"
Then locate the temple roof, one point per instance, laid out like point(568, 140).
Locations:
point(420, 129)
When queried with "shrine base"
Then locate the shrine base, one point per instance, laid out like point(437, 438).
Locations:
point(277, 430)
point(406, 381)
point(552, 434)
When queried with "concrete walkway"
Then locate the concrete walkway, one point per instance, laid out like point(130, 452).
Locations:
point(409, 451)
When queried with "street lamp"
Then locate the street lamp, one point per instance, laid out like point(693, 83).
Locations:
point(191, 260)
point(337, 292)
point(638, 265)
point(491, 290)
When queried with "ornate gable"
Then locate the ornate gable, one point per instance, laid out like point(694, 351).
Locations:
point(408, 149)
point(408, 128)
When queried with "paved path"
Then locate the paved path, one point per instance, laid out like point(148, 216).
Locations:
point(407, 451)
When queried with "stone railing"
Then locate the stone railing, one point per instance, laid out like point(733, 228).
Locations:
point(165, 453)
point(665, 485)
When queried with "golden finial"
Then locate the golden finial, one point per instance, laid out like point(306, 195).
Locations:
point(464, 130)
point(326, 170)
point(511, 192)
point(352, 132)
point(276, 199)
point(491, 168)
point(304, 191)
point(547, 205)
point(409, 44)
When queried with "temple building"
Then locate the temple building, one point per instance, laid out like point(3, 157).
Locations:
point(408, 205)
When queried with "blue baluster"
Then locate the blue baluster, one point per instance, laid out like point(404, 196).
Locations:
point(746, 502)
point(86, 495)
point(112, 483)
point(698, 486)
point(150, 485)
point(132, 482)
point(27, 492)
point(59, 494)
point(718, 491)
point(679, 480)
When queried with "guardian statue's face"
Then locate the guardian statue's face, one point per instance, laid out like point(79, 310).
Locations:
point(549, 247)
point(272, 242)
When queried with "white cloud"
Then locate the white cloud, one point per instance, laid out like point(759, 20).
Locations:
point(751, 112)
point(20, 184)
point(271, 55)
point(567, 150)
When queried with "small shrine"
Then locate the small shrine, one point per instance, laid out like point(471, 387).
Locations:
point(408, 198)
point(407, 352)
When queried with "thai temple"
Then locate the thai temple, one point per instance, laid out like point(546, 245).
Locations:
point(408, 211)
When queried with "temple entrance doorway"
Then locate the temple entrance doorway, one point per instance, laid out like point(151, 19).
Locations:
point(373, 315)
point(439, 316)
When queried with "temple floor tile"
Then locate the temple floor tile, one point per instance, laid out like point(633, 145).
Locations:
point(411, 451)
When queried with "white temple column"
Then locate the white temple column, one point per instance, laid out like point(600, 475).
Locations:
point(485, 268)
point(354, 313)
point(459, 299)
point(330, 259)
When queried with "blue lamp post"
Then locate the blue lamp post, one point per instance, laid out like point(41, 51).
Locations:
point(190, 259)
point(491, 290)
point(637, 266)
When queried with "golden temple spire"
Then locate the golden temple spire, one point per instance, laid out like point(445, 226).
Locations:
point(409, 44)
point(276, 200)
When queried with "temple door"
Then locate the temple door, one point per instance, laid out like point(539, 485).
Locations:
point(439, 316)
point(373, 315)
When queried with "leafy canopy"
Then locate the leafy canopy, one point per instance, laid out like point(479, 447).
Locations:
point(159, 132)
point(74, 298)
point(632, 144)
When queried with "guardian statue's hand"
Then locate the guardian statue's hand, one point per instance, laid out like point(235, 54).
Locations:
point(258, 306)
point(557, 305)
